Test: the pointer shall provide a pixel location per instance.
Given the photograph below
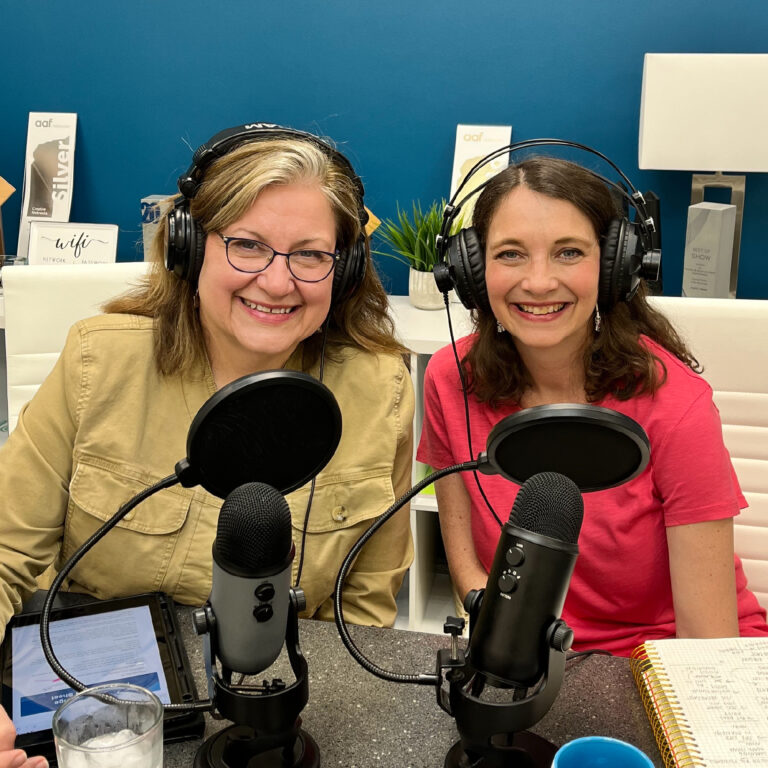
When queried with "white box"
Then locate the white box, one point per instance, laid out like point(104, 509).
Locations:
point(473, 143)
point(48, 171)
point(709, 250)
point(64, 242)
point(153, 208)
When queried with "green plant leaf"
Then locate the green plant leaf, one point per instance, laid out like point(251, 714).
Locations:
point(412, 235)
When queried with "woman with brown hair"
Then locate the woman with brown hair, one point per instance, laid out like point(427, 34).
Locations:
point(656, 554)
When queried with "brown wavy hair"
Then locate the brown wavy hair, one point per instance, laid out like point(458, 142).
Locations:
point(615, 361)
point(230, 187)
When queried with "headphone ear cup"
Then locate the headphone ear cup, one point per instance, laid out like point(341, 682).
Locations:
point(196, 252)
point(184, 244)
point(607, 294)
point(466, 261)
point(350, 271)
point(620, 260)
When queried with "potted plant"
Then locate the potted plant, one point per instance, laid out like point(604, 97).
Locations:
point(411, 240)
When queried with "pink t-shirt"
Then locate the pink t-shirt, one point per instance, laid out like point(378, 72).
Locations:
point(620, 594)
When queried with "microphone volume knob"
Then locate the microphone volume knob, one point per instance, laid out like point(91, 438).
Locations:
point(265, 592)
point(263, 612)
point(515, 556)
point(507, 582)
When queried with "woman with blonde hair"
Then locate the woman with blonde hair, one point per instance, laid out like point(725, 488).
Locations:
point(262, 264)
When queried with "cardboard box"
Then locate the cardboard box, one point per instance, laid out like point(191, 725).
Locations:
point(6, 190)
point(709, 250)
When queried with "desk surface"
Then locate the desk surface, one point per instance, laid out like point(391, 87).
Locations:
point(360, 721)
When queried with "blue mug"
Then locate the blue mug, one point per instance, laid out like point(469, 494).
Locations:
point(600, 752)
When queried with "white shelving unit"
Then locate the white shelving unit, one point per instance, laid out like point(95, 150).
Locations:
point(429, 596)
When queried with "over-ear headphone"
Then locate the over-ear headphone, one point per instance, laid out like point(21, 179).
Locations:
point(185, 237)
point(626, 253)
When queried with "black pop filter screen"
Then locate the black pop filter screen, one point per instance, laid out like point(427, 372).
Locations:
point(276, 427)
point(594, 447)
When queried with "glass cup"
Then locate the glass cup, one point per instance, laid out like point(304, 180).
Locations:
point(110, 726)
point(600, 752)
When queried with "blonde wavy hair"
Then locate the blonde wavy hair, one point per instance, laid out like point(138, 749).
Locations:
point(229, 188)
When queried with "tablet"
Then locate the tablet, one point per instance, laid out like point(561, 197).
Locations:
point(132, 639)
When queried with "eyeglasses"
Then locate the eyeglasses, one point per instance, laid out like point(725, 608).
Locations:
point(309, 266)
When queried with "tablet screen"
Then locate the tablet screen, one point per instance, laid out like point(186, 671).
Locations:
point(132, 640)
point(116, 646)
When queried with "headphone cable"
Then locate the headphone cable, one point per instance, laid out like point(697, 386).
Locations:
point(466, 408)
point(312, 485)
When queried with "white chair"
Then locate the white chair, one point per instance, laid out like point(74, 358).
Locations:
point(728, 337)
point(41, 304)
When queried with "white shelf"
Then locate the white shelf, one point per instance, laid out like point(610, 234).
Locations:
point(430, 593)
point(439, 606)
point(425, 331)
point(426, 502)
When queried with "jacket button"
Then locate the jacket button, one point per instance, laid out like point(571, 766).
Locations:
point(130, 516)
point(339, 513)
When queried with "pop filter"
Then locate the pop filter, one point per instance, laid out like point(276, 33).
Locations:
point(275, 427)
point(595, 447)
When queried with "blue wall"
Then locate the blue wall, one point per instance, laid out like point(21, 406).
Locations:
point(388, 81)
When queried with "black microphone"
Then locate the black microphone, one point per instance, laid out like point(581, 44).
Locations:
point(252, 556)
point(528, 583)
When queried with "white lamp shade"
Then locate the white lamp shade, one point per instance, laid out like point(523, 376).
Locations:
point(704, 112)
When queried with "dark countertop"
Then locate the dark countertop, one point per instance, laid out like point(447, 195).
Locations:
point(360, 721)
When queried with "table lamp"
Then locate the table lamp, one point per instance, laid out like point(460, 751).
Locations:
point(706, 112)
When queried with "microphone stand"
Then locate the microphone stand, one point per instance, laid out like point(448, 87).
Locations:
point(266, 730)
point(493, 734)
point(275, 707)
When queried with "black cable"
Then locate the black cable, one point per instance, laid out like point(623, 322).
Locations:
point(45, 630)
point(466, 408)
point(577, 657)
point(338, 609)
point(312, 485)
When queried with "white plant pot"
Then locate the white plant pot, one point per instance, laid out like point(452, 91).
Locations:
point(423, 292)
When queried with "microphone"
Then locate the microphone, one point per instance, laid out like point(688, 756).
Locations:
point(250, 591)
point(518, 618)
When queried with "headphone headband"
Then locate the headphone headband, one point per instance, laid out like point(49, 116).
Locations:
point(225, 141)
point(626, 252)
point(635, 199)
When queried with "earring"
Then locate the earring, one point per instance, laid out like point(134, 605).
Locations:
point(196, 299)
point(598, 320)
point(499, 327)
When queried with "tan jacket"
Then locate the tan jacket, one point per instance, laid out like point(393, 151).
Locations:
point(105, 424)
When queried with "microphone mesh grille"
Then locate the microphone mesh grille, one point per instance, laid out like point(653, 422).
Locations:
point(550, 504)
point(254, 528)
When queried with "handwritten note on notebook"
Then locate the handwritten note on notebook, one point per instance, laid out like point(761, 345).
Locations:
point(707, 700)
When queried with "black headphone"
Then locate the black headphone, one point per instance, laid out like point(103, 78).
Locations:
point(626, 254)
point(185, 238)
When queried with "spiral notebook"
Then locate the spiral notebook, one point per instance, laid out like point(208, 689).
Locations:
point(707, 700)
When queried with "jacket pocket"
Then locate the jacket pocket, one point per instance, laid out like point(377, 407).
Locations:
point(135, 554)
point(343, 502)
point(100, 488)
